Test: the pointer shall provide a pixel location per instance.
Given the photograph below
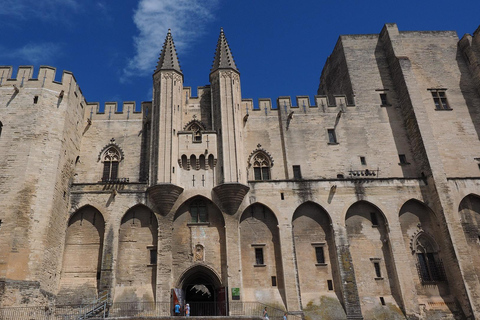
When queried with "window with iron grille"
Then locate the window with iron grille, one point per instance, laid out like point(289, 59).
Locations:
point(429, 266)
point(440, 100)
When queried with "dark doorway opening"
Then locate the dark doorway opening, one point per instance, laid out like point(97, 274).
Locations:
point(203, 293)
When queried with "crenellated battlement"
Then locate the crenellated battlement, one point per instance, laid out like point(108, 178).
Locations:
point(301, 104)
point(114, 111)
point(45, 78)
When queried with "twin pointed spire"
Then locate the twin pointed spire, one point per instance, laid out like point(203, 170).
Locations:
point(168, 57)
point(169, 60)
point(223, 55)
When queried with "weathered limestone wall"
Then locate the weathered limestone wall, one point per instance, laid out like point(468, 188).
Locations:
point(41, 140)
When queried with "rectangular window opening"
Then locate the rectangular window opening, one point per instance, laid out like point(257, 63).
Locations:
point(153, 256)
point(259, 256)
point(403, 159)
point(332, 137)
point(35, 99)
point(440, 100)
point(382, 301)
point(320, 255)
point(282, 196)
point(330, 285)
point(274, 281)
point(297, 172)
point(383, 98)
point(378, 272)
point(363, 161)
point(373, 218)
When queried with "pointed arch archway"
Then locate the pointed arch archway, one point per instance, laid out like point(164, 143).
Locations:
point(316, 257)
point(82, 256)
point(199, 236)
point(367, 230)
point(202, 288)
point(423, 239)
point(261, 255)
point(469, 210)
point(136, 269)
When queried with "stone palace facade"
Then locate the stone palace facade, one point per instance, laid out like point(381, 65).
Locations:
point(363, 203)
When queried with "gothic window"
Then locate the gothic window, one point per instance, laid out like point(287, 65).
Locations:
point(198, 212)
point(196, 129)
point(429, 266)
point(440, 100)
point(261, 166)
point(111, 159)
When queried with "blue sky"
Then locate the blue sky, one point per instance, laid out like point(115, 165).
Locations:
point(280, 47)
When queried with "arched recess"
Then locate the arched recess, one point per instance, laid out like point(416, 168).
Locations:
point(137, 256)
point(317, 259)
point(199, 237)
point(469, 210)
point(262, 270)
point(201, 286)
point(82, 257)
point(422, 237)
point(367, 230)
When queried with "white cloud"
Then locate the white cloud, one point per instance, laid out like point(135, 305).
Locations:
point(32, 53)
point(41, 9)
point(153, 18)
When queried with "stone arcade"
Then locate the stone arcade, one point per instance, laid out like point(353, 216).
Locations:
point(363, 203)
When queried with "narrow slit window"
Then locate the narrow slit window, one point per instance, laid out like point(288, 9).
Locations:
point(330, 285)
point(274, 281)
point(378, 272)
point(363, 161)
point(373, 218)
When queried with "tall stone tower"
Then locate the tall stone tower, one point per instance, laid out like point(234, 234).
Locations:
point(228, 122)
point(227, 118)
point(166, 115)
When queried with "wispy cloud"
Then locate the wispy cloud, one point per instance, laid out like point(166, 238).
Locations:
point(32, 53)
point(153, 18)
point(44, 9)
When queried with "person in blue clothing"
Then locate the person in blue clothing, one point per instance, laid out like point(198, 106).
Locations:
point(176, 310)
point(285, 316)
point(187, 310)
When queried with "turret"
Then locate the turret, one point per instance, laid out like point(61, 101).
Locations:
point(227, 120)
point(226, 114)
point(166, 114)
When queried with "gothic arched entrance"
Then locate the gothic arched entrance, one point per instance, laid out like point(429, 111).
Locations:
point(201, 288)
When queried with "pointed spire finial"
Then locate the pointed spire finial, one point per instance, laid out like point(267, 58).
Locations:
point(223, 56)
point(168, 59)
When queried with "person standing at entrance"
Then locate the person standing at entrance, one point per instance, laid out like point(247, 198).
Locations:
point(265, 314)
point(285, 316)
point(187, 310)
point(177, 309)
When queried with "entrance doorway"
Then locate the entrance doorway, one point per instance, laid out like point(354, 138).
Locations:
point(203, 292)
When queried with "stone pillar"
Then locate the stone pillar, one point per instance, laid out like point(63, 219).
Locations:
point(408, 293)
point(234, 258)
point(290, 275)
point(351, 299)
